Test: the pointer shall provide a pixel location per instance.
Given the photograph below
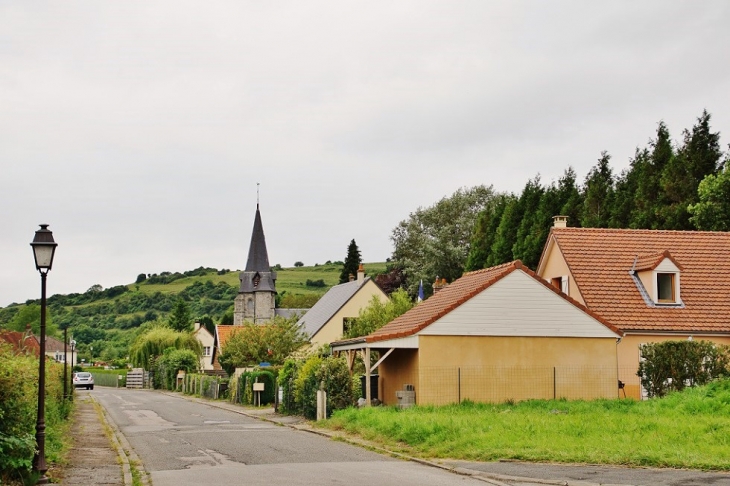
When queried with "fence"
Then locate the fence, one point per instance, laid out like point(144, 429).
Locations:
point(115, 380)
point(204, 385)
point(444, 385)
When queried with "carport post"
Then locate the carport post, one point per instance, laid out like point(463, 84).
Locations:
point(366, 360)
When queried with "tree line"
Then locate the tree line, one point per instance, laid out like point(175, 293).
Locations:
point(670, 185)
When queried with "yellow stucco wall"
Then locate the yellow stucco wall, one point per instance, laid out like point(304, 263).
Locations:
point(495, 369)
point(555, 265)
point(333, 329)
point(401, 368)
point(628, 356)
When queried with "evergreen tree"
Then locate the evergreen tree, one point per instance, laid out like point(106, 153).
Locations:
point(532, 225)
point(180, 319)
point(506, 234)
point(648, 168)
point(485, 232)
point(598, 192)
point(697, 158)
point(352, 262)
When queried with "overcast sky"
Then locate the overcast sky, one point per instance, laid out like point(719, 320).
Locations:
point(139, 130)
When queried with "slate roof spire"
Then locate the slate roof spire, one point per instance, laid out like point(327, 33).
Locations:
point(258, 257)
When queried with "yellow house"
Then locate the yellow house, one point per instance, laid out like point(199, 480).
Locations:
point(492, 335)
point(653, 285)
point(207, 341)
point(327, 320)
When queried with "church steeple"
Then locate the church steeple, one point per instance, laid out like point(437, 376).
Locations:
point(256, 298)
point(258, 257)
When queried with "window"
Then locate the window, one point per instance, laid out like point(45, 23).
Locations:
point(561, 283)
point(206, 350)
point(665, 287)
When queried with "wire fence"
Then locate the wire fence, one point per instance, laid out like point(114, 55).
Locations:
point(443, 385)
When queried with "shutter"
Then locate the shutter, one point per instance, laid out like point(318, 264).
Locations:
point(564, 287)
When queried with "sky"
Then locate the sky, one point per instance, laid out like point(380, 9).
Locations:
point(139, 130)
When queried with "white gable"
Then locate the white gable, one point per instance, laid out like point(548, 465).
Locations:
point(518, 305)
point(666, 266)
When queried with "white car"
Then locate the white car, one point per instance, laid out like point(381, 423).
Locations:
point(84, 379)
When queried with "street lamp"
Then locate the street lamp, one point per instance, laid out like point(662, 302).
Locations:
point(73, 348)
point(43, 250)
point(65, 363)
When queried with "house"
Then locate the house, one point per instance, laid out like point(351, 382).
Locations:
point(653, 285)
point(207, 341)
point(55, 350)
point(492, 335)
point(327, 321)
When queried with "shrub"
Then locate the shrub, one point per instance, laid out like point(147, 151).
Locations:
point(315, 283)
point(171, 361)
point(674, 365)
point(245, 384)
point(330, 372)
point(287, 380)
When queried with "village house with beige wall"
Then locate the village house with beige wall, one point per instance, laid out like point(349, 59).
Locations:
point(652, 285)
point(327, 320)
point(495, 334)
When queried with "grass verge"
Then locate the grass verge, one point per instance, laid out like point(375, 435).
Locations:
point(685, 430)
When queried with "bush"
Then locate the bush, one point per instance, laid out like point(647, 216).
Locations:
point(171, 361)
point(245, 386)
point(330, 372)
point(315, 283)
point(674, 365)
point(287, 380)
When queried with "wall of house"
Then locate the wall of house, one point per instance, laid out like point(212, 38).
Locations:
point(399, 368)
point(556, 266)
point(206, 339)
point(333, 329)
point(629, 355)
point(495, 369)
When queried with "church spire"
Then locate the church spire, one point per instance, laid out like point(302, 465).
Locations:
point(258, 257)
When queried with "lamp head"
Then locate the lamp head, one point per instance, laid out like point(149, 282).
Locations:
point(44, 247)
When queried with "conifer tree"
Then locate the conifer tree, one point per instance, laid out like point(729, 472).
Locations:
point(180, 319)
point(352, 262)
point(598, 192)
point(485, 232)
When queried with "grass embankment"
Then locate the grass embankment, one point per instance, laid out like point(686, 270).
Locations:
point(686, 430)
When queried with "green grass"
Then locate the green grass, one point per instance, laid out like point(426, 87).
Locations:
point(685, 430)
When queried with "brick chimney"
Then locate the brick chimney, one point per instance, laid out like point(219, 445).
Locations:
point(360, 273)
point(439, 284)
point(560, 221)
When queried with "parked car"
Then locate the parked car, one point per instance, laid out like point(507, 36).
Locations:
point(84, 379)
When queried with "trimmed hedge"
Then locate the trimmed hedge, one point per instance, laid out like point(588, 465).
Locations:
point(245, 386)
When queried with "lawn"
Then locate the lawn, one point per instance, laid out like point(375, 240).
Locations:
point(684, 430)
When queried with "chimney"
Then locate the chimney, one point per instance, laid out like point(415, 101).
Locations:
point(196, 326)
point(351, 277)
point(439, 284)
point(560, 221)
point(360, 273)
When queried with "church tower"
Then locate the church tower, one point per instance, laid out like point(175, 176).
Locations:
point(256, 299)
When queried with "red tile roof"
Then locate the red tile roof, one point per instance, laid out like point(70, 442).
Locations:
point(652, 260)
point(600, 260)
point(223, 332)
point(21, 342)
point(455, 294)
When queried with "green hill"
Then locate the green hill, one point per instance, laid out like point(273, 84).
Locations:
point(107, 320)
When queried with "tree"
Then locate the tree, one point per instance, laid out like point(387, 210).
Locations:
point(485, 232)
point(140, 278)
point(153, 343)
point(712, 212)
point(697, 158)
point(30, 315)
point(251, 344)
point(352, 262)
point(298, 264)
point(377, 314)
point(180, 319)
point(435, 241)
point(598, 191)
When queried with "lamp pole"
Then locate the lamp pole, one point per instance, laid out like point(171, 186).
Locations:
point(73, 348)
point(65, 363)
point(43, 250)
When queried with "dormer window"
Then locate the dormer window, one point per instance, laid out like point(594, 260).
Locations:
point(657, 276)
point(561, 283)
point(666, 288)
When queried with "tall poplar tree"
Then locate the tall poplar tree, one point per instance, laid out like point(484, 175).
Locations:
point(598, 192)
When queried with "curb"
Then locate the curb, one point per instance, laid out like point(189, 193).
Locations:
point(491, 478)
point(124, 450)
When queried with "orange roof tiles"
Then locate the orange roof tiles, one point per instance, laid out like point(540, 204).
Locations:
point(224, 332)
point(600, 261)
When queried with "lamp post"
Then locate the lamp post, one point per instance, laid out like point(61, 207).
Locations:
point(73, 348)
point(65, 363)
point(43, 250)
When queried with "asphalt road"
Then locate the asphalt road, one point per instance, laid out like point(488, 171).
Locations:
point(184, 442)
